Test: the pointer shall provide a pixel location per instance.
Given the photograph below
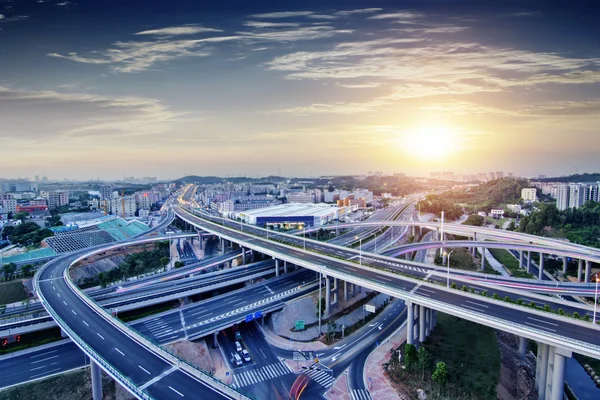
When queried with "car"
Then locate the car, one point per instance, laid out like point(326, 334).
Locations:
point(237, 359)
point(238, 346)
point(246, 355)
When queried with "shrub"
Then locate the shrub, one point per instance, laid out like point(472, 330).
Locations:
point(495, 296)
point(483, 293)
point(561, 311)
point(507, 299)
point(520, 301)
point(464, 288)
point(546, 308)
point(576, 315)
point(532, 304)
point(453, 286)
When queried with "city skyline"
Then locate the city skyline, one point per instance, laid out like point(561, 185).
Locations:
point(92, 90)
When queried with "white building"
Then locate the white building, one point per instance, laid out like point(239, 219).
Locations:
point(576, 195)
point(497, 213)
point(529, 194)
point(56, 199)
point(291, 215)
point(562, 197)
point(9, 205)
point(123, 206)
point(514, 208)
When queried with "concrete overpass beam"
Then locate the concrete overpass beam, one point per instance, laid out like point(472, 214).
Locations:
point(410, 321)
point(542, 360)
point(63, 334)
point(579, 268)
point(565, 264)
point(96, 373)
point(421, 323)
point(541, 267)
point(588, 267)
point(522, 348)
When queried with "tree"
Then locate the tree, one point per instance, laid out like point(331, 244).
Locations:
point(21, 216)
point(26, 269)
point(440, 375)
point(9, 269)
point(474, 220)
point(164, 262)
point(410, 355)
point(2, 309)
point(178, 264)
point(422, 360)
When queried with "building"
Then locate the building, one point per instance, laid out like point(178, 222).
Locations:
point(300, 198)
point(576, 195)
point(105, 192)
point(123, 206)
point(56, 199)
point(448, 175)
point(31, 209)
point(529, 194)
point(514, 208)
point(18, 185)
point(291, 215)
point(592, 193)
point(435, 175)
point(562, 197)
point(497, 213)
point(9, 205)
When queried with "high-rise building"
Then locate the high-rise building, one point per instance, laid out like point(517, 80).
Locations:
point(123, 206)
point(56, 199)
point(576, 195)
point(105, 191)
point(562, 197)
point(592, 193)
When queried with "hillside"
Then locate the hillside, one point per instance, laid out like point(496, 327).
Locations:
point(490, 194)
point(583, 178)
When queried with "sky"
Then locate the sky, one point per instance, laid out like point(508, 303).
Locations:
point(166, 88)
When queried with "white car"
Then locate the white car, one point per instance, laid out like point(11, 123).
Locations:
point(237, 359)
point(238, 346)
point(246, 355)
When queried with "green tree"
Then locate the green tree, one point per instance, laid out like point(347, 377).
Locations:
point(9, 269)
point(474, 220)
point(178, 264)
point(410, 355)
point(164, 262)
point(422, 360)
point(440, 375)
point(27, 269)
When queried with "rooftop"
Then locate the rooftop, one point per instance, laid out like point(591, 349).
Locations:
point(292, 210)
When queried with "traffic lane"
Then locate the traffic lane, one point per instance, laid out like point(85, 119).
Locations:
point(37, 365)
point(498, 310)
point(118, 349)
point(257, 345)
point(180, 385)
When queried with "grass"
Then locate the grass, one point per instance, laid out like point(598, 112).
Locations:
point(472, 357)
point(75, 385)
point(12, 291)
point(510, 263)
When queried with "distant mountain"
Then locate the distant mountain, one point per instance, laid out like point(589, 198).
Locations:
point(207, 180)
point(595, 177)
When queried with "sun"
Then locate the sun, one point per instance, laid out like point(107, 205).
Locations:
point(430, 142)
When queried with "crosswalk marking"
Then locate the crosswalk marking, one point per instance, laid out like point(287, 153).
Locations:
point(323, 378)
point(360, 394)
point(265, 373)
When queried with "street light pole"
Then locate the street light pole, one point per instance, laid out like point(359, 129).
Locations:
point(304, 236)
point(359, 249)
point(596, 278)
point(448, 275)
point(320, 298)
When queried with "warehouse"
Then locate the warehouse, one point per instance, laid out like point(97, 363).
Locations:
point(291, 215)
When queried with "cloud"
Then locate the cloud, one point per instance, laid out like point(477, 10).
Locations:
point(365, 85)
point(358, 11)
point(264, 24)
point(283, 14)
point(397, 15)
point(4, 18)
point(178, 30)
point(46, 115)
point(322, 16)
point(63, 4)
point(298, 34)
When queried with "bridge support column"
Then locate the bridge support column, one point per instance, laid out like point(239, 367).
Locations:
point(421, 323)
point(529, 262)
point(335, 292)
point(410, 322)
point(431, 320)
point(215, 340)
point(521, 258)
point(541, 267)
point(276, 267)
point(483, 258)
point(345, 290)
point(579, 268)
point(327, 295)
point(63, 334)
point(96, 373)
point(541, 370)
point(285, 267)
point(243, 256)
point(522, 348)
point(555, 389)
point(565, 264)
point(588, 266)
point(427, 322)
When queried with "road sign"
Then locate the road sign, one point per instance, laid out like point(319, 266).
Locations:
point(369, 379)
point(370, 308)
point(299, 326)
point(249, 317)
point(227, 373)
point(377, 344)
point(258, 314)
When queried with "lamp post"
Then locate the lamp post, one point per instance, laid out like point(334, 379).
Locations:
point(596, 278)
point(170, 250)
point(320, 298)
point(359, 249)
point(304, 237)
point(448, 275)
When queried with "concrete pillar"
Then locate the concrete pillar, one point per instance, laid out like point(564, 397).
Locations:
point(483, 258)
point(96, 373)
point(421, 323)
point(345, 291)
point(63, 334)
point(541, 267)
point(579, 268)
point(201, 242)
point(549, 372)
point(276, 267)
point(410, 321)
point(285, 267)
point(522, 348)
point(558, 375)
point(327, 295)
point(427, 321)
point(543, 360)
point(335, 294)
point(443, 258)
point(565, 264)
point(588, 267)
point(243, 256)
point(222, 244)
point(431, 320)
point(529, 262)
point(215, 341)
point(521, 258)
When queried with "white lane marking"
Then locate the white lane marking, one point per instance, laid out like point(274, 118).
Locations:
point(120, 352)
point(85, 323)
point(427, 290)
point(73, 312)
point(65, 302)
point(473, 308)
point(424, 294)
point(33, 369)
point(477, 304)
point(385, 278)
point(144, 369)
point(44, 359)
point(102, 337)
point(542, 321)
point(53, 288)
point(45, 372)
point(58, 294)
point(181, 394)
point(541, 327)
point(44, 354)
